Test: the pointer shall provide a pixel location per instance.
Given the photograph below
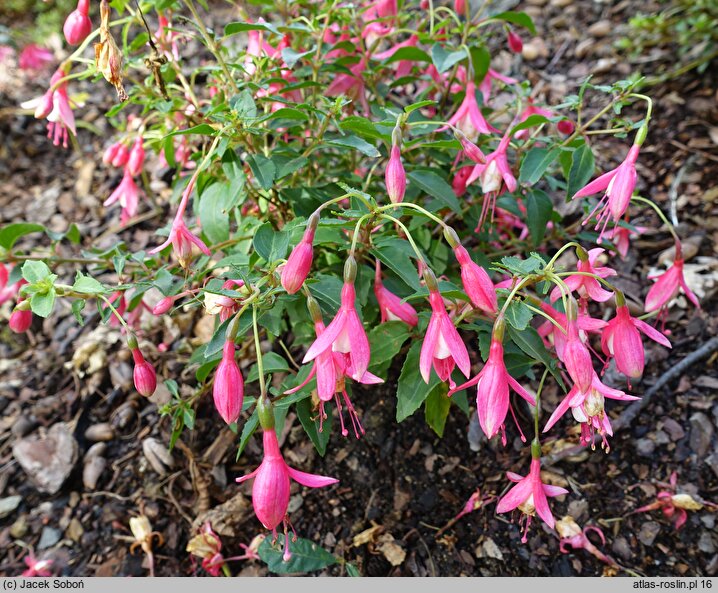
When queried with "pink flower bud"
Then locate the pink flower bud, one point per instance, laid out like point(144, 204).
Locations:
point(477, 284)
point(577, 359)
point(460, 7)
point(20, 321)
point(228, 386)
point(163, 306)
point(121, 155)
point(470, 149)
point(296, 270)
point(44, 107)
point(137, 157)
point(515, 43)
point(144, 374)
point(566, 127)
point(395, 176)
point(110, 153)
point(78, 24)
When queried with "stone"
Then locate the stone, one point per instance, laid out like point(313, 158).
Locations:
point(649, 531)
point(8, 505)
point(701, 433)
point(48, 458)
point(600, 28)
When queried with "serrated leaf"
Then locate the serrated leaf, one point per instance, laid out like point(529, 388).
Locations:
point(582, 166)
point(87, 284)
point(436, 187)
point(518, 315)
point(521, 267)
point(443, 59)
point(411, 389)
point(306, 556)
point(263, 169)
point(10, 233)
point(436, 408)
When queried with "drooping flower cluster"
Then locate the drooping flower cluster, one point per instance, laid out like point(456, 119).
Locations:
point(127, 193)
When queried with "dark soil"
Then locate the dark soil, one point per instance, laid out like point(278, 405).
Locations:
point(399, 479)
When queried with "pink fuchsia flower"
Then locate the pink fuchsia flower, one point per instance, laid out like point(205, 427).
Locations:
point(228, 390)
point(208, 546)
point(588, 409)
point(78, 24)
point(8, 291)
point(675, 506)
point(380, 9)
point(622, 339)
point(515, 42)
point(584, 322)
point(20, 321)
point(182, 239)
point(460, 180)
point(443, 347)
point(296, 270)
point(468, 117)
point(270, 491)
point(35, 57)
point(496, 177)
point(404, 67)
point(166, 37)
point(127, 194)
point(587, 286)
point(576, 357)
point(621, 238)
point(55, 106)
point(566, 127)
point(486, 83)
point(476, 281)
point(391, 307)
point(35, 567)
point(395, 177)
point(345, 335)
point(618, 186)
point(144, 374)
point(469, 148)
point(571, 534)
point(530, 495)
point(116, 154)
point(492, 389)
point(528, 112)
point(667, 285)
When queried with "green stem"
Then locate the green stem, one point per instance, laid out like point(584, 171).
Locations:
point(538, 403)
point(115, 312)
point(401, 225)
point(257, 347)
point(659, 212)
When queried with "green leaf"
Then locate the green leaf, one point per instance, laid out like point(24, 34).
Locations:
point(481, 60)
point(244, 106)
point(530, 122)
point(213, 212)
point(327, 290)
point(412, 54)
point(518, 315)
point(522, 267)
point(77, 307)
point(352, 570)
point(271, 362)
point(355, 142)
point(247, 431)
point(413, 107)
point(361, 126)
point(320, 438)
point(436, 408)
point(87, 284)
point(538, 213)
point(411, 389)
point(270, 244)
point(234, 28)
point(443, 59)
point(264, 170)
point(582, 165)
point(33, 271)
point(12, 232)
point(201, 129)
point(437, 187)
point(42, 303)
point(517, 18)
point(306, 556)
point(286, 166)
point(385, 341)
point(535, 163)
point(291, 56)
point(393, 253)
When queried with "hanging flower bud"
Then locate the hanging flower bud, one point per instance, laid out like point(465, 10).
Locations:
point(565, 127)
point(576, 356)
point(163, 306)
point(391, 307)
point(476, 281)
point(470, 149)
point(78, 24)
point(296, 270)
point(144, 373)
point(136, 158)
point(20, 321)
point(395, 176)
point(228, 389)
point(516, 44)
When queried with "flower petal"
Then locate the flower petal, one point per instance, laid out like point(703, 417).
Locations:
point(311, 480)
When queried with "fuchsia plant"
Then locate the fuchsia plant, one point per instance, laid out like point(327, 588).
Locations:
point(329, 159)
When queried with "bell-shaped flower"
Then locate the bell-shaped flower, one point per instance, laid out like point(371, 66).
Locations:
point(558, 332)
point(530, 495)
point(78, 24)
point(55, 106)
point(476, 281)
point(668, 284)
point(352, 85)
point(391, 307)
point(486, 83)
point(182, 239)
point(228, 390)
point(492, 391)
point(443, 347)
point(136, 158)
point(621, 238)
point(459, 183)
point(345, 334)
point(127, 194)
point(270, 491)
point(576, 357)
point(20, 321)
point(571, 534)
point(495, 176)
point(587, 286)
point(617, 185)
point(622, 339)
point(296, 270)
point(35, 57)
point(588, 408)
point(144, 375)
point(468, 117)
